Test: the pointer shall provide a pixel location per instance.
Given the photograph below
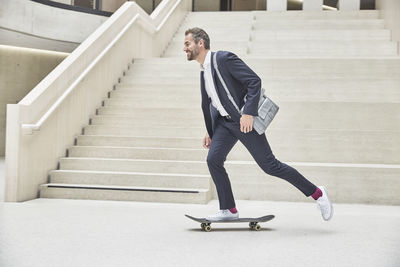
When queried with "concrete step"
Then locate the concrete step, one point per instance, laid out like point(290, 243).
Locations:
point(215, 36)
point(159, 119)
point(361, 91)
point(180, 63)
point(250, 182)
point(292, 14)
point(125, 193)
point(288, 89)
point(133, 165)
point(335, 35)
point(156, 131)
point(294, 145)
point(291, 90)
point(341, 180)
point(215, 27)
point(325, 15)
point(150, 98)
point(267, 73)
point(127, 92)
point(177, 50)
point(336, 151)
point(320, 24)
point(160, 81)
point(351, 47)
point(137, 179)
point(218, 27)
point(131, 141)
point(151, 112)
point(321, 48)
point(283, 15)
point(169, 131)
point(150, 153)
point(327, 68)
point(192, 83)
point(260, 35)
point(149, 103)
point(292, 115)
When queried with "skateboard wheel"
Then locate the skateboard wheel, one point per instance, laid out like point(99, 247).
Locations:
point(251, 225)
point(203, 225)
point(257, 227)
point(207, 228)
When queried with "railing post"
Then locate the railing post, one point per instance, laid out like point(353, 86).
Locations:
point(349, 5)
point(276, 5)
point(312, 4)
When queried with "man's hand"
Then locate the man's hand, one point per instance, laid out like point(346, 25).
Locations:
point(206, 141)
point(246, 123)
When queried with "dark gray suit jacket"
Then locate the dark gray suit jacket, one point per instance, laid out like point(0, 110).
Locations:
point(240, 80)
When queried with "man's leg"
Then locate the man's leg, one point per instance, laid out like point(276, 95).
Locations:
point(221, 143)
point(259, 148)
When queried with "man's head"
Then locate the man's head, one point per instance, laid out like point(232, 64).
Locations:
point(196, 43)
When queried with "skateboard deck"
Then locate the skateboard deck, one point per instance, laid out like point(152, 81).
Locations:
point(253, 222)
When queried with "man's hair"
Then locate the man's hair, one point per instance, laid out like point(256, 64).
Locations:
point(199, 34)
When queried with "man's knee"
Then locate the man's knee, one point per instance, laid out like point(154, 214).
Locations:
point(213, 159)
point(272, 166)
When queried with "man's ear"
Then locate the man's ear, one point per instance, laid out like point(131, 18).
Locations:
point(201, 42)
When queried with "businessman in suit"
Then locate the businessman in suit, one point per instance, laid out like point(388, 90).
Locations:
point(225, 125)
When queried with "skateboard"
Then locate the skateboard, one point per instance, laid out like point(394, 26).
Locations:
point(253, 222)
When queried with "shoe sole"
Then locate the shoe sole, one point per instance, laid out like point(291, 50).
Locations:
point(224, 219)
point(330, 203)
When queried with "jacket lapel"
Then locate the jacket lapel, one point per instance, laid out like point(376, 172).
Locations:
point(204, 94)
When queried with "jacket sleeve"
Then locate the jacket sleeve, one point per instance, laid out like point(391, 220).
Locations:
point(248, 78)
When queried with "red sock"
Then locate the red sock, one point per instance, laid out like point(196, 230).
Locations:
point(317, 194)
point(233, 210)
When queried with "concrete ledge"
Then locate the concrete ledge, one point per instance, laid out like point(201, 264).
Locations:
point(45, 27)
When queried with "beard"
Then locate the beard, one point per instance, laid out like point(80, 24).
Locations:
point(192, 55)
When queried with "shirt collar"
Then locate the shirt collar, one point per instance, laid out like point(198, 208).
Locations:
point(207, 61)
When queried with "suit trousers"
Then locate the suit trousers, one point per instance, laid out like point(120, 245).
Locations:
point(226, 134)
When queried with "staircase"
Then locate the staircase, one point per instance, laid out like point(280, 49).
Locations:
point(335, 76)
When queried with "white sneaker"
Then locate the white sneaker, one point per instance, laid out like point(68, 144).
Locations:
point(325, 205)
point(223, 215)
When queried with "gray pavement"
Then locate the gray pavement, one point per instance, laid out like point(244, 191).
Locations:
point(56, 232)
point(2, 177)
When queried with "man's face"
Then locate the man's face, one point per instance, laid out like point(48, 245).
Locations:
point(191, 49)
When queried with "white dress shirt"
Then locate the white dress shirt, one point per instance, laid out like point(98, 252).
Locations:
point(210, 87)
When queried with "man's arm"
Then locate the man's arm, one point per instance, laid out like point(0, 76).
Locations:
point(206, 141)
point(248, 78)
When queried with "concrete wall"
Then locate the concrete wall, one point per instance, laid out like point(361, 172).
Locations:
point(147, 5)
point(248, 5)
point(390, 11)
point(112, 5)
point(33, 25)
point(21, 69)
point(67, 2)
point(206, 5)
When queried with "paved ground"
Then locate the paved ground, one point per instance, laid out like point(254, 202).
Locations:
point(46, 232)
point(2, 174)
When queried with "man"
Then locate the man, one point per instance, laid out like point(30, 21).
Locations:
point(225, 125)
